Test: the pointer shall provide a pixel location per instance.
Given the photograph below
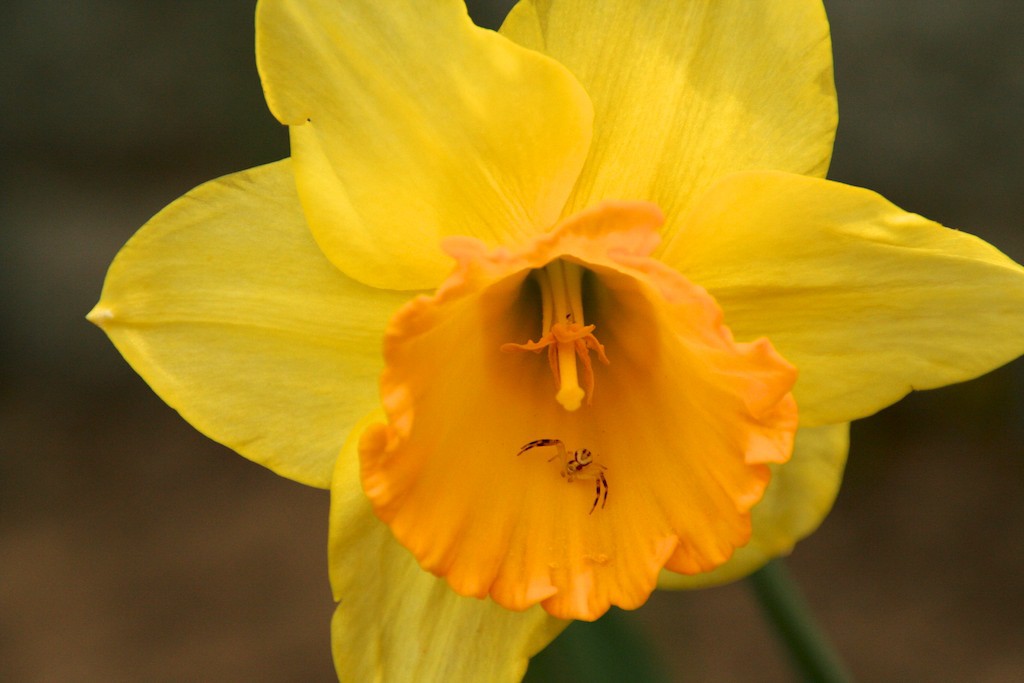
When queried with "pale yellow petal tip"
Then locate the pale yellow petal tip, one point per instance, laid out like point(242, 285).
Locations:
point(100, 315)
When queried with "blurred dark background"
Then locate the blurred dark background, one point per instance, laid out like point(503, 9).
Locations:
point(131, 548)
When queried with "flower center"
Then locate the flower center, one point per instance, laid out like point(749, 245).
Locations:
point(686, 425)
point(567, 338)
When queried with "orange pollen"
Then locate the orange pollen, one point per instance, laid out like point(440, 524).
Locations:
point(566, 337)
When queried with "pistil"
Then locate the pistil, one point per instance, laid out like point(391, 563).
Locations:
point(566, 336)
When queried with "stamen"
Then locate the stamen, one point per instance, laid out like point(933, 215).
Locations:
point(565, 337)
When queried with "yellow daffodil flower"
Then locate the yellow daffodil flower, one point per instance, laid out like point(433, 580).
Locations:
point(558, 296)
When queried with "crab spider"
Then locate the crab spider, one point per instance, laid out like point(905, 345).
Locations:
point(579, 465)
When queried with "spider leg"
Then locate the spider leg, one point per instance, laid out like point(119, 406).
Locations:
point(540, 443)
point(605, 482)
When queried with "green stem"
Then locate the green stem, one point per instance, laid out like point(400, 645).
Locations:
point(785, 607)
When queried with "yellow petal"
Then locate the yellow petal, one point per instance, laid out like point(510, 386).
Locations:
point(685, 92)
point(867, 300)
point(494, 481)
point(796, 501)
point(225, 306)
point(396, 622)
point(409, 123)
